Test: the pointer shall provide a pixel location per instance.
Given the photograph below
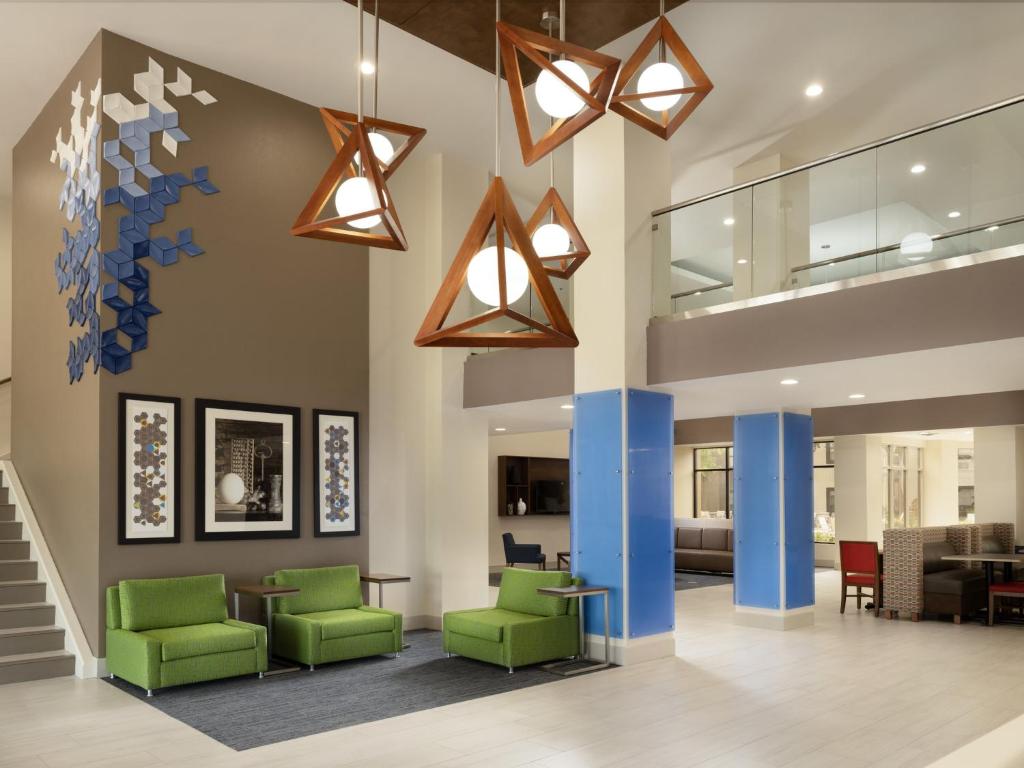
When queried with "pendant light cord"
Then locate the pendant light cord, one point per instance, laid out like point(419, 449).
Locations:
point(376, 52)
point(359, 65)
point(497, 91)
point(661, 41)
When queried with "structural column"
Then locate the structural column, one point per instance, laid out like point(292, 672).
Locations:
point(773, 531)
point(622, 434)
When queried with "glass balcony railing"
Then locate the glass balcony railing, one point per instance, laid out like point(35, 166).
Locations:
point(954, 188)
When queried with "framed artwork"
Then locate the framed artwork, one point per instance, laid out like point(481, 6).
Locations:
point(247, 471)
point(336, 473)
point(149, 457)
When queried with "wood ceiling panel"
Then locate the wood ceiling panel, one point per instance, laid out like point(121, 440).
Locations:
point(465, 28)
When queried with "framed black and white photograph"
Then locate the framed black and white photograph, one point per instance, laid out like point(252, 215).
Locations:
point(247, 471)
point(149, 456)
point(336, 473)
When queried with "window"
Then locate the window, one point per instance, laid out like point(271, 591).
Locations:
point(712, 482)
point(965, 483)
point(901, 486)
point(824, 492)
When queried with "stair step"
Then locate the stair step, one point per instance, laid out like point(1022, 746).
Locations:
point(26, 615)
point(6, 512)
point(14, 550)
point(20, 667)
point(22, 591)
point(30, 640)
point(19, 570)
point(10, 531)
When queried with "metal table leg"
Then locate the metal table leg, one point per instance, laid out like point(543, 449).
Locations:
point(282, 666)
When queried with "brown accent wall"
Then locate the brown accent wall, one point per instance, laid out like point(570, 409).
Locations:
point(55, 428)
point(885, 318)
point(515, 375)
point(990, 409)
point(260, 317)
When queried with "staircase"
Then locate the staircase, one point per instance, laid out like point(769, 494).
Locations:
point(31, 646)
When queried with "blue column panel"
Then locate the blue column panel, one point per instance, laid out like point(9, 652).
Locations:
point(756, 502)
point(651, 576)
point(596, 490)
point(798, 490)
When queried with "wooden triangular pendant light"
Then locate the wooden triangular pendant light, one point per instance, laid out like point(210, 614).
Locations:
point(378, 203)
point(498, 211)
point(564, 264)
point(628, 104)
point(358, 189)
point(535, 47)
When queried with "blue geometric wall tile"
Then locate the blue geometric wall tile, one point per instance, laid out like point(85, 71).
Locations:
point(163, 251)
point(110, 196)
point(206, 188)
point(191, 249)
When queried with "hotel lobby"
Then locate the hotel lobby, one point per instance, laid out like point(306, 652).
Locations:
point(553, 383)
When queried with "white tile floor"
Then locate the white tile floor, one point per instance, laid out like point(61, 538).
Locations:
point(851, 691)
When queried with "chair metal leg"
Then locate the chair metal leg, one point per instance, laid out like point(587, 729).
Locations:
point(111, 676)
point(510, 670)
point(149, 693)
point(259, 675)
point(991, 609)
point(860, 594)
point(312, 667)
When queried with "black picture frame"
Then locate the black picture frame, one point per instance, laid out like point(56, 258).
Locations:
point(123, 537)
point(201, 533)
point(318, 529)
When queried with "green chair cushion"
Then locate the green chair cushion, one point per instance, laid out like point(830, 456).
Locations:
point(323, 589)
point(488, 624)
point(350, 622)
point(158, 603)
point(201, 640)
point(519, 591)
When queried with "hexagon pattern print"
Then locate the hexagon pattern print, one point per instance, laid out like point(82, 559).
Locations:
point(149, 454)
point(336, 481)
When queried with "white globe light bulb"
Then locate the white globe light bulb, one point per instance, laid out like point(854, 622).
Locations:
point(551, 240)
point(381, 147)
point(661, 76)
point(356, 196)
point(555, 97)
point(916, 244)
point(482, 276)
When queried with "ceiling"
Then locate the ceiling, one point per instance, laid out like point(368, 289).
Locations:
point(465, 27)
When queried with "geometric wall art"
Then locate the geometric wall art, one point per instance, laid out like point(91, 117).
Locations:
point(145, 192)
point(336, 473)
point(77, 266)
point(149, 457)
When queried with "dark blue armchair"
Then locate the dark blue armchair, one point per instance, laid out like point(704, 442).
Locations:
point(522, 553)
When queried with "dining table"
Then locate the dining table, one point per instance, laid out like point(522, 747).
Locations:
point(989, 561)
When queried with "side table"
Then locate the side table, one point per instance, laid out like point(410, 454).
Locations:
point(268, 593)
point(380, 579)
point(582, 591)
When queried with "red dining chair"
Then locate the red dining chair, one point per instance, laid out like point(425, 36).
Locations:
point(858, 563)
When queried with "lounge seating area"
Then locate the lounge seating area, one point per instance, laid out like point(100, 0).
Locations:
point(704, 549)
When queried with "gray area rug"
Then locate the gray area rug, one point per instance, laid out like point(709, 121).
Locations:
point(686, 580)
point(246, 712)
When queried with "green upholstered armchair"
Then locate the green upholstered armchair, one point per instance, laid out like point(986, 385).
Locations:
point(163, 632)
point(327, 621)
point(524, 628)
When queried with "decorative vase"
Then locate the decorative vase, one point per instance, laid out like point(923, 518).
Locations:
point(521, 507)
point(276, 506)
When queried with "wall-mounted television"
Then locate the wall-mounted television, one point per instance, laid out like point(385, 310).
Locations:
point(550, 497)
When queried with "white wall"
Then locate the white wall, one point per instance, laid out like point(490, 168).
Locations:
point(428, 456)
point(550, 531)
point(5, 324)
point(941, 482)
point(999, 476)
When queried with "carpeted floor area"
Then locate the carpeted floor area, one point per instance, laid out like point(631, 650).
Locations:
point(247, 712)
point(686, 580)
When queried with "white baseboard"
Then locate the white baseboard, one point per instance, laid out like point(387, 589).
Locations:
point(770, 618)
point(75, 642)
point(421, 622)
point(632, 650)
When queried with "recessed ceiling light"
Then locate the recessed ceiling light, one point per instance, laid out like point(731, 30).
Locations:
point(927, 434)
point(993, 228)
point(825, 246)
point(789, 382)
point(954, 214)
point(367, 68)
point(567, 407)
point(918, 168)
point(697, 293)
point(814, 90)
point(500, 429)
point(728, 221)
point(741, 261)
point(857, 396)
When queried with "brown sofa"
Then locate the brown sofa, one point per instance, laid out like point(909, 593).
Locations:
point(949, 588)
point(704, 549)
